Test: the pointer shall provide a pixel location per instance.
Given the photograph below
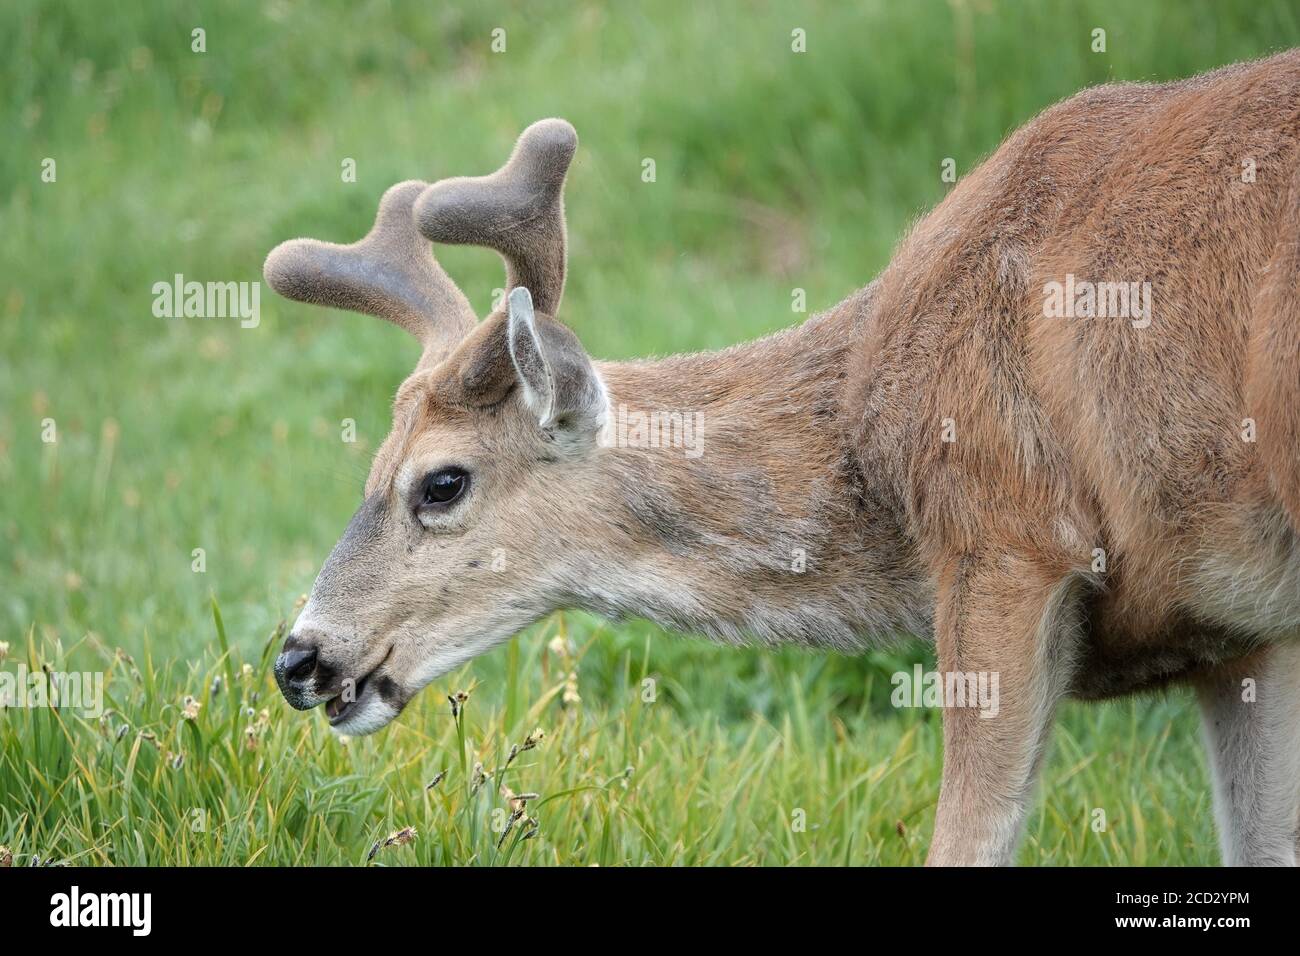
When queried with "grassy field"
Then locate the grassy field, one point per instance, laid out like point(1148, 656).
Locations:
point(775, 170)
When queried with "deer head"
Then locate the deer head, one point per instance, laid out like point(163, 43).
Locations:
point(445, 557)
point(510, 487)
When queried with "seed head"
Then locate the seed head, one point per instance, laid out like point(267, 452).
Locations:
point(189, 708)
point(571, 695)
point(397, 838)
point(518, 802)
point(531, 741)
point(458, 702)
point(478, 777)
point(129, 661)
point(514, 818)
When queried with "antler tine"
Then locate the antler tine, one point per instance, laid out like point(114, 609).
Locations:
point(518, 211)
point(390, 274)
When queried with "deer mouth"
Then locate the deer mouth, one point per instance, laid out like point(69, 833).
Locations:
point(352, 700)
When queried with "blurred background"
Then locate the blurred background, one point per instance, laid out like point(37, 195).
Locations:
point(775, 170)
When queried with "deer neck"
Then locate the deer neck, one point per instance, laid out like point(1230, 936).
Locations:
point(731, 506)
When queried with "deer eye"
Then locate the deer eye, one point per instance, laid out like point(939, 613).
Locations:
point(443, 486)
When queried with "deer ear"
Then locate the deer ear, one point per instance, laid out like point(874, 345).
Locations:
point(559, 385)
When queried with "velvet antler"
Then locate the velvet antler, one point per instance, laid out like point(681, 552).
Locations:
point(390, 274)
point(518, 211)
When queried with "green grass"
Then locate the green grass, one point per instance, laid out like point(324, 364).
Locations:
point(774, 171)
point(780, 769)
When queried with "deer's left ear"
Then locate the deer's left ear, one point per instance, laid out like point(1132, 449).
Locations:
point(559, 385)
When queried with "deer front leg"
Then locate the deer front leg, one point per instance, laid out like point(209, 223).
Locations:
point(1016, 621)
point(1250, 712)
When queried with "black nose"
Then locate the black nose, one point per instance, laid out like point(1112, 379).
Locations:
point(298, 663)
point(300, 672)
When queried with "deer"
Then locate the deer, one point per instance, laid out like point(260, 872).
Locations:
point(1087, 505)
